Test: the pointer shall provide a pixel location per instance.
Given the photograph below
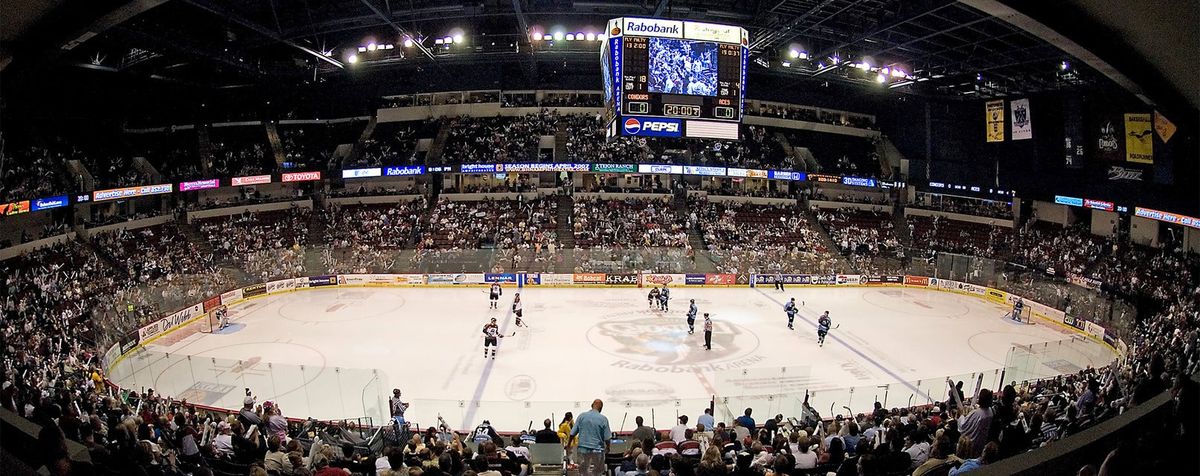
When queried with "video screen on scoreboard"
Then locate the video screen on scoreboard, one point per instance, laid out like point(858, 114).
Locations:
point(671, 78)
point(683, 67)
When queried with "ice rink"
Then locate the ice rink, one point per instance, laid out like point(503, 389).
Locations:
point(338, 352)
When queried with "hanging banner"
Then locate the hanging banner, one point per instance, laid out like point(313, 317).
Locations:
point(1108, 147)
point(1164, 127)
point(1022, 127)
point(1139, 146)
point(995, 121)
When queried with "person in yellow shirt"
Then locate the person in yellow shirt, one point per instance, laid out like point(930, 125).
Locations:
point(564, 432)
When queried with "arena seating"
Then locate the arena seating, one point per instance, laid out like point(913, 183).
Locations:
point(857, 231)
point(173, 153)
point(394, 143)
point(388, 226)
point(498, 139)
point(240, 151)
point(630, 223)
point(1064, 250)
point(266, 245)
point(955, 236)
point(761, 238)
point(491, 224)
point(35, 172)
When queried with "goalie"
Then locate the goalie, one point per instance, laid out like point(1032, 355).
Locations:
point(1017, 309)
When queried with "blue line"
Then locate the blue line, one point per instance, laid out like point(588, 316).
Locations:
point(830, 335)
point(483, 378)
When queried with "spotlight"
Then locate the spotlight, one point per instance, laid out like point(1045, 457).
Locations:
point(880, 79)
point(535, 37)
point(793, 53)
point(438, 41)
point(362, 49)
point(447, 40)
point(570, 37)
point(979, 76)
point(458, 38)
point(408, 42)
point(836, 59)
point(786, 64)
point(803, 55)
point(591, 37)
point(371, 46)
point(558, 36)
point(547, 37)
point(352, 59)
point(1065, 66)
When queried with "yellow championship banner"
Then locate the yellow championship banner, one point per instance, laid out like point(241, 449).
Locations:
point(995, 121)
point(1139, 143)
point(1164, 127)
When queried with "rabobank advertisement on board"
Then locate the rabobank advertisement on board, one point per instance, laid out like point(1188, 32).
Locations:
point(48, 203)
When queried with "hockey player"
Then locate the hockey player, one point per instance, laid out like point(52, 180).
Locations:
point(663, 298)
point(691, 317)
point(790, 310)
point(823, 324)
point(652, 298)
point(517, 309)
point(491, 338)
point(494, 295)
point(1018, 307)
point(223, 317)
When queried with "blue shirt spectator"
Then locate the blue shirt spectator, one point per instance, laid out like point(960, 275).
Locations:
point(747, 422)
point(707, 420)
point(592, 429)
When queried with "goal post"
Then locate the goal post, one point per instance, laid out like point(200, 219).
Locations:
point(211, 322)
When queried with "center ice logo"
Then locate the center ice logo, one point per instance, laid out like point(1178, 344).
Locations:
point(665, 342)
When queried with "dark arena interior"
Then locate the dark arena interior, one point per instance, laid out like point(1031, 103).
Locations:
point(507, 237)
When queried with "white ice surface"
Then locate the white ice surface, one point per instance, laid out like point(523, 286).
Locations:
point(338, 352)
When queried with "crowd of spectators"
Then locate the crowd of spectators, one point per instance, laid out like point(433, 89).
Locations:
point(393, 143)
point(629, 223)
point(572, 100)
point(799, 113)
point(943, 234)
point(267, 245)
point(1057, 249)
point(749, 238)
point(33, 173)
point(586, 141)
point(505, 224)
point(964, 205)
point(240, 151)
point(498, 139)
point(366, 227)
point(855, 231)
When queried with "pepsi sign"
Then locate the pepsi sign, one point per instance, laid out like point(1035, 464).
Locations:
point(653, 127)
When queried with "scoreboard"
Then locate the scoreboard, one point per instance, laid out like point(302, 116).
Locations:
point(668, 78)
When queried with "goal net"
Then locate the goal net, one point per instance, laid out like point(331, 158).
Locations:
point(1025, 317)
point(212, 321)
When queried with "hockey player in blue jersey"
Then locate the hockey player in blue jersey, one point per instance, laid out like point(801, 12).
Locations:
point(691, 317)
point(1017, 308)
point(823, 325)
point(790, 309)
point(663, 298)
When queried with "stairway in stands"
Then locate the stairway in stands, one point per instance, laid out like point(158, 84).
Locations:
point(827, 240)
point(434, 157)
point(902, 232)
point(205, 148)
point(566, 232)
point(695, 238)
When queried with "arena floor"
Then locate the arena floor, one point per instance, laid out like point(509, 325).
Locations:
point(335, 353)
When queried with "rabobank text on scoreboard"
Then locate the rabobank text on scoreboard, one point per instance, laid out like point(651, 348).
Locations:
point(669, 78)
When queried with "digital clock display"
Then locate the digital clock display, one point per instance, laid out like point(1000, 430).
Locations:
point(681, 110)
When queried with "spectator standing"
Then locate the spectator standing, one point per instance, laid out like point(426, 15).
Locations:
point(746, 420)
point(678, 433)
point(593, 435)
point(642, 432)
point(707, 419)
point(976, 424)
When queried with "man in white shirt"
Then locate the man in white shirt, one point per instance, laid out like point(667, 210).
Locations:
point(679, 432)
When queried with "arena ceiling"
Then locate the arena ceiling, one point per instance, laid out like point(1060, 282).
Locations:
point(961, 49)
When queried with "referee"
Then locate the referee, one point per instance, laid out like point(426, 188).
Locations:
point(707, 332)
